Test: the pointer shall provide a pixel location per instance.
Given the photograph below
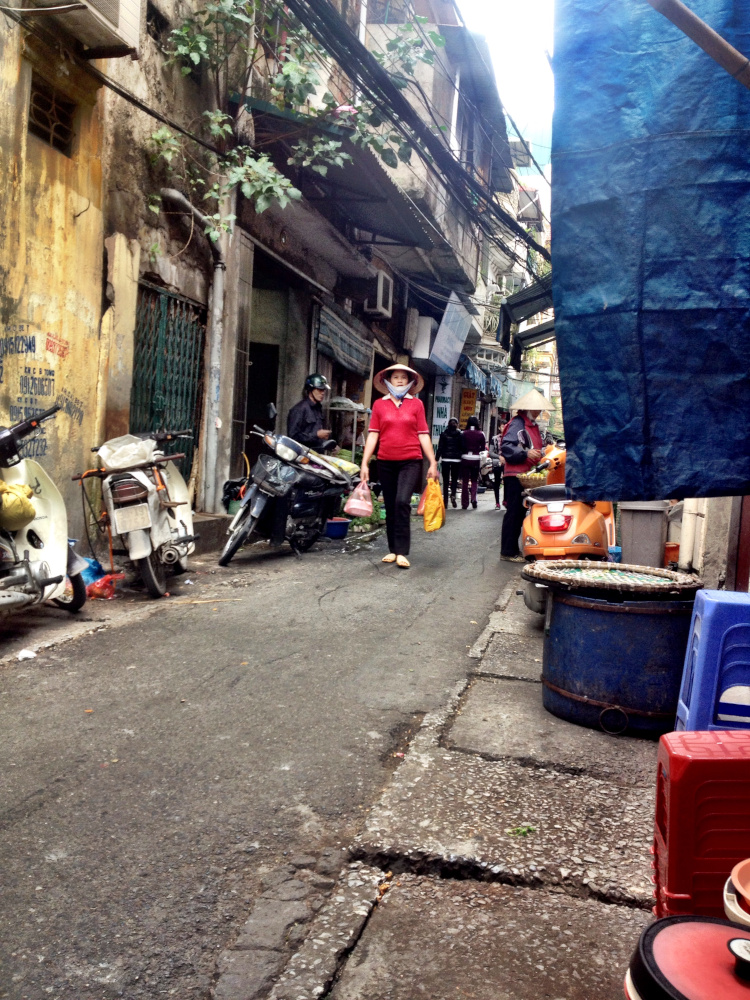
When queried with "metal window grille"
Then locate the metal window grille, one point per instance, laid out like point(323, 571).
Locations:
point(168, 368)
point(51, 115)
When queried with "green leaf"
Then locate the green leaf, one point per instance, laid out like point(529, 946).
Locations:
point(195, 57)
point(320, 169)
point(262, 202)
point(389, 157)
point(436, 38)
point(404, 153)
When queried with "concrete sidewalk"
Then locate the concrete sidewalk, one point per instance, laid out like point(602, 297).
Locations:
point(507, 858)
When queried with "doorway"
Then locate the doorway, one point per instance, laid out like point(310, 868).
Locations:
point(262, 389)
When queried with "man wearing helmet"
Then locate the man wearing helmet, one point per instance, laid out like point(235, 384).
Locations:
point(305, 420)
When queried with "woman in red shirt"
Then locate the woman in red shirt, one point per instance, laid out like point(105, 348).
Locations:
point(398, 429)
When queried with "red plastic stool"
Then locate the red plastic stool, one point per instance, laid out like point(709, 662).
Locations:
point(702, 822)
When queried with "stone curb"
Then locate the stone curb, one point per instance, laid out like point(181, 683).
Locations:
point(478, 649)
point(293, 894)
point(334, 932)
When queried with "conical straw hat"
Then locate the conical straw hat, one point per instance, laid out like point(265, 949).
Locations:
point(532, 400)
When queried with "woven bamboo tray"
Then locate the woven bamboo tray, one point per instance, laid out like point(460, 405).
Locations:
point(582, 573)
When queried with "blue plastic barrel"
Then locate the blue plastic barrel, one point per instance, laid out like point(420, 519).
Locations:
point(615, 665)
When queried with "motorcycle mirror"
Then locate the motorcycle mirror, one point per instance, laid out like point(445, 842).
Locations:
point(272, 411)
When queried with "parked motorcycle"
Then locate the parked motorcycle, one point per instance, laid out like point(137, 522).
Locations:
point(37, 561)
point(559, 527)
point(288, 495)
point(147, 503)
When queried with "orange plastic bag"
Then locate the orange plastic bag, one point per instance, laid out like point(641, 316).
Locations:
point(434, 508)
point(104, 587)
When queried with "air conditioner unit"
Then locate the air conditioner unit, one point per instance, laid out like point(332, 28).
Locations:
point(411, 329)
point(383, 303)
point(106, 28)
point(427, 327)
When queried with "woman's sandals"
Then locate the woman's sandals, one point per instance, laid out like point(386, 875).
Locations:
point(401, 561)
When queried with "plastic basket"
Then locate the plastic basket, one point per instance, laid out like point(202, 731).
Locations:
point(531, 480)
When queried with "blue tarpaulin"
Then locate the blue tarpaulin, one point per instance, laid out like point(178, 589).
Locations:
point(651, 252)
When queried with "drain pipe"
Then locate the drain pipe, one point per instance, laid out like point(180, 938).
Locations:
point(709, 40)
point(690, 516)
point(208, 492)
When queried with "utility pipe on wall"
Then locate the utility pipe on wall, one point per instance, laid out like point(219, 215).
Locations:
point(709, 40)
point(209, 489)
point(690, 512)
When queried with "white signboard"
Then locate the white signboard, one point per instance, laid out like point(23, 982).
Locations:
point(451, 336)
point(441, 410)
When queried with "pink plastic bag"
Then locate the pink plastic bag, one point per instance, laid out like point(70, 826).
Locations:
point(359, 503)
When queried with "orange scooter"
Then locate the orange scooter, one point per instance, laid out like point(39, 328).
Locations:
point(558, 527)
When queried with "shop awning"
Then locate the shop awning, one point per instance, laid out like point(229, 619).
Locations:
point(531, 300)
point(472, 373)
point(533, 336)
point(340, 341)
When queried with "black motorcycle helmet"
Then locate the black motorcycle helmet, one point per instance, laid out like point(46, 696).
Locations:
point(316, 381)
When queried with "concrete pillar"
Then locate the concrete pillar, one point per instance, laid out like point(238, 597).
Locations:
point(118, 333)
point(717, 559)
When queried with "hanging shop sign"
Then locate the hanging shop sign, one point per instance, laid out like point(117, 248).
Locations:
point(441, 410)
point(468, 406)
point(451, 336)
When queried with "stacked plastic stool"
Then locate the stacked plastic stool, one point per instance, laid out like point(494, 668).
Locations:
point(715, 689)
point(702, 822)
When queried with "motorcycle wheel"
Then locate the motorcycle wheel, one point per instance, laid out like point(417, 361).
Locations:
point(238, 537)
point(75, 594)
point(154, 574)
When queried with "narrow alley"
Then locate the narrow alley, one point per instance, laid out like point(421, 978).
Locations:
point(157, 770)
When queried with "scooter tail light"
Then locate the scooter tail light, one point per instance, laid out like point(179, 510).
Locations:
point(128, 490)
point(582, 539)
point(555, 522)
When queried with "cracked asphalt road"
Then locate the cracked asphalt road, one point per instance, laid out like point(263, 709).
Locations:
point(154, 772)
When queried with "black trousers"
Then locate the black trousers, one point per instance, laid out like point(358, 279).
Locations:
point(514, 515)
point(497, 481)
point(451, 478)
point(399, 480)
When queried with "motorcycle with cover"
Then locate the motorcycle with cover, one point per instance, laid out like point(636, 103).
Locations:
point(37, 560)
point(147, 503)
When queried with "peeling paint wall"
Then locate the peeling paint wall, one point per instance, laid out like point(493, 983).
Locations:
point(50, 263)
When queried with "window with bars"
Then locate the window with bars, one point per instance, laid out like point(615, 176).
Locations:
point(51, 115)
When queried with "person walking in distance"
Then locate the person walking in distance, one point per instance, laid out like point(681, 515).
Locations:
point(449, 450)
point(497, 464)
point(398, 429)
point(522, 448)
point(474, 441)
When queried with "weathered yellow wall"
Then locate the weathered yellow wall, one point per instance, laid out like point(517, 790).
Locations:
point(51, 260)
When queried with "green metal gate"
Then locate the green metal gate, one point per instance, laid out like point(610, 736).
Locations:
point(170, 333)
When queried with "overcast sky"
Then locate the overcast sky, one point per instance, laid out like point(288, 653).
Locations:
point(519, 36)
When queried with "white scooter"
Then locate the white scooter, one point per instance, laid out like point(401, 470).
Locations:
point(148, 504)
point(37, 561)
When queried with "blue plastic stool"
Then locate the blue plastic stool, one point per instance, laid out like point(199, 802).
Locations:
point(715, 689)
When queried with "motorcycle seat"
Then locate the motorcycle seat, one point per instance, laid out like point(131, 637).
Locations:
point(547, 494)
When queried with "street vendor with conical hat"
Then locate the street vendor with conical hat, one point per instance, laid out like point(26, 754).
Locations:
point(398, 429)
point(521, 447)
